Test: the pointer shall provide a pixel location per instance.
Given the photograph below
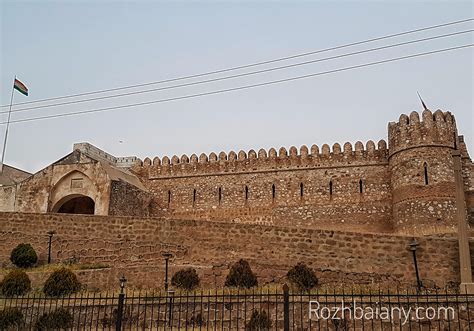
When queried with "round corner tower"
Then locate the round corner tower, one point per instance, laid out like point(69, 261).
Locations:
point(422, 172)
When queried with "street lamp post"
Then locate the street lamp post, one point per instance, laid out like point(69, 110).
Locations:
point(413, 247)
point(50, 234)
point(167, 256)
point(118, 322)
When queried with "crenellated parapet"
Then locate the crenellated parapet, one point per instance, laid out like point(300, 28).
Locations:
point(263, 160)
point(436, 129)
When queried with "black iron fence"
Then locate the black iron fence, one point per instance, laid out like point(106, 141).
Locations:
point(263, 309)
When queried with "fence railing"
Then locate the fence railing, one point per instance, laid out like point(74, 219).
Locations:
point(262, 309)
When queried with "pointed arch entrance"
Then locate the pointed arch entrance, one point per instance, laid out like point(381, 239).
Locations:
point(75, 204)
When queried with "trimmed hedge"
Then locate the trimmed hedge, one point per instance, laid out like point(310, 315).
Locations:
point(241, 275)
point(16, 282)
point(11, 317)
point(61, 282)
point(59, 319)
point(259, 321)
point(302, 276)
point(187, 279)
point(23, 256)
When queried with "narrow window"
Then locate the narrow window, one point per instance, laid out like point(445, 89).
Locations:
point(330, 187)
point(425, 168)
point(194, 197)
point(273, 192)
point(220, 195)
point(169, 198)
point(361, 187)
point(246, 193)
point(301, 190)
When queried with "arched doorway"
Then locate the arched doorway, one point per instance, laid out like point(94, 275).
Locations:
point(75, 204)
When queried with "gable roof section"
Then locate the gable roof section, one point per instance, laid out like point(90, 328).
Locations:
point(12, 175)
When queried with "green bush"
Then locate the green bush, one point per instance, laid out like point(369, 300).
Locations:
point(11, 317)
point(185, 279)
point(240, 275)
point(59, 319)
point(16, 282)
point(259, 321)
point(23, 256)
point(61, 282)
point(302, 277)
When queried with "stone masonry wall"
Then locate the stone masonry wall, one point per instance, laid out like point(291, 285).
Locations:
point(134, 246)
point(339, 189)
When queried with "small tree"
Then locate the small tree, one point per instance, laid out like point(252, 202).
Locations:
point(11, 317)
point(61, 282)
point(241, 275)
point(59, 319)
point(259, 321)
point(23, 256)
point(302, 277)
point(16, 282)
point(187, 279)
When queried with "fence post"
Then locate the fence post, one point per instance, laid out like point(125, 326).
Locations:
point(286, 308)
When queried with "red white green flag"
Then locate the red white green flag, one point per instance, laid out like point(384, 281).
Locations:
point(20, 87)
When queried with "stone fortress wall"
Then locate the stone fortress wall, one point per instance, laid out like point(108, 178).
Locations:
point(407, 186)
point(133, 246)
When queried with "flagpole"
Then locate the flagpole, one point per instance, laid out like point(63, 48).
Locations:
point(8, 124)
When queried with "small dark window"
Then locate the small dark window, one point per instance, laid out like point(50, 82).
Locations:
point(425, 168)
point(246, 192)
point(220, 195)
point(361, 186)
point(169, 198)
point(273, 191)
point(194, 197)
point(330, 187)
point(301, 190)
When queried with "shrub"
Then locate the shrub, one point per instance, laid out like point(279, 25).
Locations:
point(61, 282)
point(10, 317)
point(16, 282)
point(186, 279)
point(240, 275)
point(59, 319)
point(259, 321)
point(23, 256)
point(196, 321)
point(302, 277)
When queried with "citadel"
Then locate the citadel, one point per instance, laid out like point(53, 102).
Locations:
point(347, 210)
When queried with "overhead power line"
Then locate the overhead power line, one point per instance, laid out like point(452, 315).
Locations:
point(240, 75)
point(241, 87)
point(249, 65)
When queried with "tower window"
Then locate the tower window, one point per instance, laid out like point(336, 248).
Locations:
point(361, 186)
point(425, 169)
point(330, 187)
point(169, 198)
point(220, 195)
point(301, 190)
point(273, 192)
point(246, 193)
point(194, 196)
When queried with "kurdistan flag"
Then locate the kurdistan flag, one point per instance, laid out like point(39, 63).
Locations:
point(20, 87)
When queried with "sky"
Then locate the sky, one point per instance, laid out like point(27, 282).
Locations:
point(60, 48)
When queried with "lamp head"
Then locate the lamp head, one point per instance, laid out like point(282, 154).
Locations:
point(414, 245)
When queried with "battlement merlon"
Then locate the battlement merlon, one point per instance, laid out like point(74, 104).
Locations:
point(436, 129)
point(97, 153)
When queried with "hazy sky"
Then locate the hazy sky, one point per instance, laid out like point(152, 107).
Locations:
point(65, 47)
